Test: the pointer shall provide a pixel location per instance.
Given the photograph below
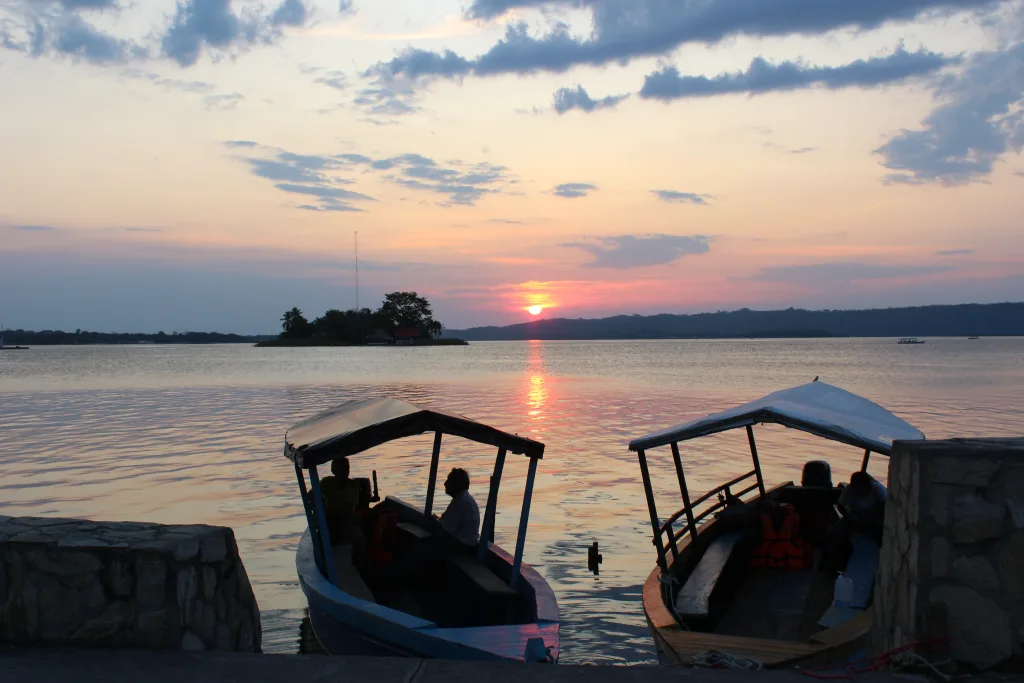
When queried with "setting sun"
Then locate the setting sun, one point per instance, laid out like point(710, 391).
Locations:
point(534, 310)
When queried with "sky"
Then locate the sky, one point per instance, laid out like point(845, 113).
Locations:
point(208, 164)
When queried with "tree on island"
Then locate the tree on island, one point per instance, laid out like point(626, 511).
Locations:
point(295, 324)
point(405, 311)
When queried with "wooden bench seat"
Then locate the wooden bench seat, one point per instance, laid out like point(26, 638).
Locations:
point(413, 530)
point(486, 580)
point(692, 600)
point(687, 644)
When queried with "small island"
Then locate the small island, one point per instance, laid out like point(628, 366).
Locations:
point(403, 319)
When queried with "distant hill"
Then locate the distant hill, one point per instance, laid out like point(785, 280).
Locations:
point(46, 337)
point(917, 321)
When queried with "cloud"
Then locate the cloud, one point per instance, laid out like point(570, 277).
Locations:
point(212, 25)
point(322, 191)
point(32, 228)
point(762, 76)
point(979, 119)
point(224, 101)
point(387, 95)
point(840, 272)
point(622, 30)
point(637, 251)
point(504, 221)
point(803, 150)
point(143, 229)
point(89, 4)
point(330, 204)
point(307, 175)
point(573, 190)
point(273, 169)
point(954, 252)
point(567, 99)
point(166, 82)
point(345, 7)
point(675, 197)
point(461, 183)
point(290, 13)
point(333, 79)
point(44, 31)
point(318, 176)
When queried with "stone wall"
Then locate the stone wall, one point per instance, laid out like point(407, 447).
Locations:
point(124, 584)
point(952, 564)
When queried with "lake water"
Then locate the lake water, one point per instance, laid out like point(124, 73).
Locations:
point(193, 434)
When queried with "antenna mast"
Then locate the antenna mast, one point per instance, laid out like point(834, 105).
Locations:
point(357, 270)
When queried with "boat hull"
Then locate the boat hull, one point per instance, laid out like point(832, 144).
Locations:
point(346, 625)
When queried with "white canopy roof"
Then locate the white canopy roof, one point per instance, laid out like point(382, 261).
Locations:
point(356, 426)
point(817, 408)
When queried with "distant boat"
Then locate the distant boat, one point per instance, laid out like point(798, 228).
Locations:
point(972, 337)
point(10, 348)
point(910, 340)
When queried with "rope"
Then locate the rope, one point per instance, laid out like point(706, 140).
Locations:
point(897, 657)
point(668, 592)
point(713, 659)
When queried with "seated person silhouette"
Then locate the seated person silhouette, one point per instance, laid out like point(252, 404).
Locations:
point(863, 506)
point(461, 521)
point(863, 502)
point(341, 498)
point(458, 534)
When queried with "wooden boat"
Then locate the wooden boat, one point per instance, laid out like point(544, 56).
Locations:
point(488, 606)
point(704, 596)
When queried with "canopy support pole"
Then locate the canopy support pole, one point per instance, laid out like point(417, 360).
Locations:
point(757, 463)
point(864, 463)
point(652, 509)
point(435, 456)
point(325, 534)
point(524, 520)
point(314, 530)
point(487, 533)
point(691, 526)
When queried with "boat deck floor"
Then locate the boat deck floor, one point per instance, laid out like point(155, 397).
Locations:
point(778, 604)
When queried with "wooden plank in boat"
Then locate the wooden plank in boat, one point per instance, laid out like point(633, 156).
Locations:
point(845, 632)
point(693, 598)
point(686, 644)
point(413, 529)
point(482, 576)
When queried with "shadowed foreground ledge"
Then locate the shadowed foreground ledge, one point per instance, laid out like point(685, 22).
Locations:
point(132, 666)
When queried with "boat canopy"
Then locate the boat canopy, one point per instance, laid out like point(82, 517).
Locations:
point(356, 426)
point(817, 408)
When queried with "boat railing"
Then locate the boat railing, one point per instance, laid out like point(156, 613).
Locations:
point(697, 512)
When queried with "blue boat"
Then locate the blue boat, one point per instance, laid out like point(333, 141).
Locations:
point(485, 604)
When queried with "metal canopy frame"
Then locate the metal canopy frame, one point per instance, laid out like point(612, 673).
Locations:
point(316, 517)
point(666, 538)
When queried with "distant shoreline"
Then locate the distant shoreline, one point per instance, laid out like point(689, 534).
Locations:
point(960, 320)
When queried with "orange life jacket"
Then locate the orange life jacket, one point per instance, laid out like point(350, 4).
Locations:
point(381, 542)
point(782, 548)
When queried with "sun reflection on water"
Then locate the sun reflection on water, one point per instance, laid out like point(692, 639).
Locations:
point(536, 386)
